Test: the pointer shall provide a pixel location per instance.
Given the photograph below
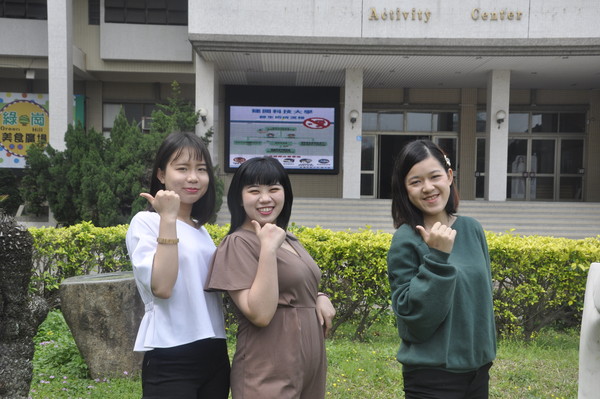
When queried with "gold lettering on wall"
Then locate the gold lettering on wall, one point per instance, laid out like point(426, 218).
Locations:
point(502, 15)
point(399, 15)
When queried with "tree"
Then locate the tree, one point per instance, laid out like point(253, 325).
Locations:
point(10, 198)
point(95, 179)
point(99, 179)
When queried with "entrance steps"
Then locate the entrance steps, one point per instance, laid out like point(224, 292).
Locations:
point(560, 219)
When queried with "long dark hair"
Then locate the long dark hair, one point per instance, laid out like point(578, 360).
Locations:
point(403, 211)
point(175, 143)
point(261, 170)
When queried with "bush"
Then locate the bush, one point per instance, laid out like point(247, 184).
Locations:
point(80, 249)
point(539, 281)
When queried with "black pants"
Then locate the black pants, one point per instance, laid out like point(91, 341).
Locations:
point(198, 370)
point(440, 384)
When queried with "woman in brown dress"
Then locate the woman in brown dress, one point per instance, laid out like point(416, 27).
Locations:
point(273, 283)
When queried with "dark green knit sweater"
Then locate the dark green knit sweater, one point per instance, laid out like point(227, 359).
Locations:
point(443, 302)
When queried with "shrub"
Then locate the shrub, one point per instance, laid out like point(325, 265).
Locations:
point(354, 273)
point(80, 249)
point(539, 281)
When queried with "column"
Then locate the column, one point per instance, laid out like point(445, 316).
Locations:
point(353, 96)
point(205, 101)
point(592, 165)
point(60, 70)
point(467, 142)
point(496, 147)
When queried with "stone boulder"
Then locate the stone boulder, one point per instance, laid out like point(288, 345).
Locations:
point(20, 313)
point(104, 312)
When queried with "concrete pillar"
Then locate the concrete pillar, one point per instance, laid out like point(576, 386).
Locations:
point(496, 147)
point(60, 70)
point(592, 165)
point(467, 142)
point(205, 99)
point(352, 132)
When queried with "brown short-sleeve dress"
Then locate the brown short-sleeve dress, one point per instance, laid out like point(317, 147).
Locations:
point(286, 359)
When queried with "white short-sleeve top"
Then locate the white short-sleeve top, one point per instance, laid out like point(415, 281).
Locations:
point(190, 314)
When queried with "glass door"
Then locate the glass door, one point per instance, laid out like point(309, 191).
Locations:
point(368, 160)
point(571, 170)
point(531, 169)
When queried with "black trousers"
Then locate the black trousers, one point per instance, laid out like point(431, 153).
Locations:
point(440, 384)
point(198, 370)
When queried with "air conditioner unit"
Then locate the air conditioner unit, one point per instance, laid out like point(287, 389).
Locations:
point(146, 122)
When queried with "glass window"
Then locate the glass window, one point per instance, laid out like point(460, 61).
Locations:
point(172, 12)
point(544, 122)
point(518, 122)
point(136, 16)
point(24, 9)
point(369, 121)
point(366, 184)
point(391, 121)
point(133, 112)
point(109, 114)
point(367, 160)
point(542, 157)
point(572, 122)
point(481, 122)
point(94, 12)
point(570, 188)
point(445, 121)
point(571, 156)
point(418, 121)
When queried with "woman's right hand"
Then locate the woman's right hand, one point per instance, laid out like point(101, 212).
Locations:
point(165, 202)
point(440, 237)
point(270, 235)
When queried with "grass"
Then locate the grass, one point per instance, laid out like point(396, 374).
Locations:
point(545, 367)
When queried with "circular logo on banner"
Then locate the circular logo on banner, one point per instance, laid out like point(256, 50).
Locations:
point(23, 123)
point(317, 123)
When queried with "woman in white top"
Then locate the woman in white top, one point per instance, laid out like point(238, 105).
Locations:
point(182, 332)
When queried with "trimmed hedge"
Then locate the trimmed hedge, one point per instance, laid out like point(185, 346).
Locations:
point(539, 281)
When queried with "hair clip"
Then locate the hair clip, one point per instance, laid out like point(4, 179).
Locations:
point(448, 164)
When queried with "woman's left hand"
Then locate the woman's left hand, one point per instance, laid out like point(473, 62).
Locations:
point(325, 313)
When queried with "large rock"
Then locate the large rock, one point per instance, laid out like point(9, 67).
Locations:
point(104, 312)
point(20, 313)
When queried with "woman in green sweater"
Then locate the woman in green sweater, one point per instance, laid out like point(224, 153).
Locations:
point(441, 284)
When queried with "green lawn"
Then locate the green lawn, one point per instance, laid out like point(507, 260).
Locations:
point(546, 367)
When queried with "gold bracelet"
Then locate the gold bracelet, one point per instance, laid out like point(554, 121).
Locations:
point(167, 241)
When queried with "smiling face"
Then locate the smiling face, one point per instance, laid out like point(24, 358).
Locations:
point(428, 188)
point(262, 203)
point(186, 175)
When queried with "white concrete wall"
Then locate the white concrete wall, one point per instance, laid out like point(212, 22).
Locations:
point(330, 18)
point(352, 143)
point(137, 42)
point(143, 43)
point(24, 37)
point(60, 70)
point(496, 144)
point(441, 19)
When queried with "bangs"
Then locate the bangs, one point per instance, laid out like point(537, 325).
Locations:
point(196, 153)
point(261, 173)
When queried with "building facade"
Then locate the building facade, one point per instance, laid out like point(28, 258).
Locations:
point(510, 90)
